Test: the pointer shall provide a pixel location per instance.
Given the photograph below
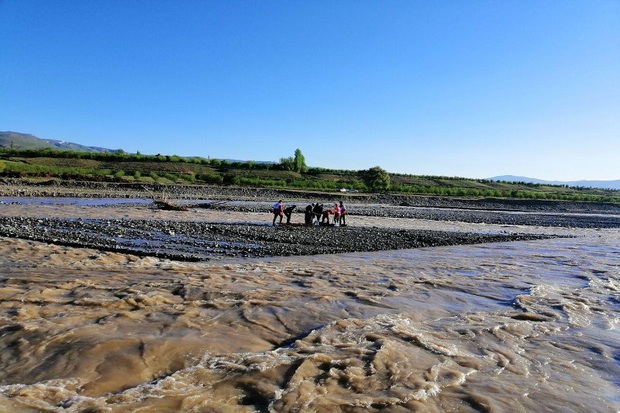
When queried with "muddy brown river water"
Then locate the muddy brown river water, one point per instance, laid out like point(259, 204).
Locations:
point(525, 326)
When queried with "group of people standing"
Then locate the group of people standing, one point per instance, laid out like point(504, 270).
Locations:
point(315, 214)
point(339, 213)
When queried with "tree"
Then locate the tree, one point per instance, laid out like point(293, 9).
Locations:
point(376, 178)
point(288, 164)
point(296, 163)
point(299, 162)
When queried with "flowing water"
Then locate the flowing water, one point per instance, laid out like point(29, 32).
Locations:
point(531, 326)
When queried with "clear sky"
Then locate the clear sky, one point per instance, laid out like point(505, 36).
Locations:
point(471, 88)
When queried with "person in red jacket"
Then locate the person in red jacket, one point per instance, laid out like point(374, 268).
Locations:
point(335, 211)
point(337, 214)
point(325, 216)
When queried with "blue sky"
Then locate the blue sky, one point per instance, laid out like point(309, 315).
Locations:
point(453, 88)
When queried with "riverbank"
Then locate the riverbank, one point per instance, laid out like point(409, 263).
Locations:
point(16, 187)
point(224, 222)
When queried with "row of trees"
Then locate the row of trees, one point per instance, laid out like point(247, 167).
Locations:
point(290, 172)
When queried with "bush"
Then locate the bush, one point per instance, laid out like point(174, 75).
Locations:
point(230, 179)
point(188, 177)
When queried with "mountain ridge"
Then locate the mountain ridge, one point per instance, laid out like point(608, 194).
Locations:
point(24, 141)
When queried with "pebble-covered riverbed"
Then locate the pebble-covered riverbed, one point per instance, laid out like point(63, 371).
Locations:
point(190, 240)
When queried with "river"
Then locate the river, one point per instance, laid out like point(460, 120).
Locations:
point(528, 326)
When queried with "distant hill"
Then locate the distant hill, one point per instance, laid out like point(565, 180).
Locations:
point(24, 141)
point(587, 184)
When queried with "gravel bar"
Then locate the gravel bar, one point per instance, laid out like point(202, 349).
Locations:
point(198, 241)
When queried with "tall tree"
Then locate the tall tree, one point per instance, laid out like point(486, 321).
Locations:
point(299, 162)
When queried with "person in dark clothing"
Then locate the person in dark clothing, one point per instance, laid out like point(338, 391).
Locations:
point(318, 211)
point(288, 211)
point(309, 215)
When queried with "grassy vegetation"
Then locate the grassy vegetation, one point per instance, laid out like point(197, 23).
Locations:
point(164, 169)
